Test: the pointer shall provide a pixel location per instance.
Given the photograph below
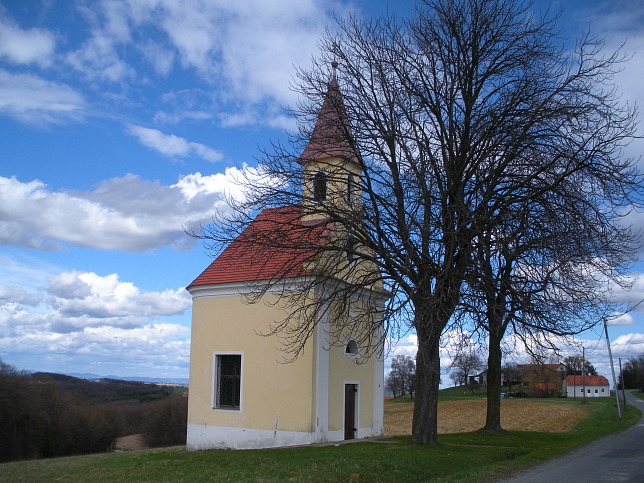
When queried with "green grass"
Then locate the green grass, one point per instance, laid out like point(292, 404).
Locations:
point(455, 394)
point(638, 394)
point(462, 392)
point(466, 457)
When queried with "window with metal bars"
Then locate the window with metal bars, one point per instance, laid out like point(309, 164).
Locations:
point(227, 381)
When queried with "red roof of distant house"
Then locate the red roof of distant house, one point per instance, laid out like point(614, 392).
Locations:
point(274, 245)
point(330, 137)
point(589, 381)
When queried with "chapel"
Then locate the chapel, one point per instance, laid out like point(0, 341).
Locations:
point(242, 394)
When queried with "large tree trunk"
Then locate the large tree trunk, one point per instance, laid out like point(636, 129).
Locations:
point(425, 421)
point(493, 414)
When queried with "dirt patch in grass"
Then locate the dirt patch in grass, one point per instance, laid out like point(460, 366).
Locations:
point(133, 442)
point(466, 416)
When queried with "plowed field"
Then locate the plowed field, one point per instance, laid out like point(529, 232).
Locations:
point(469, 415)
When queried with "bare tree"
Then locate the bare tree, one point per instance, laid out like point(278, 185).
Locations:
point(511, 374)
point(466, 364)
point(402, 375)
point(576, 365)
point(544, 269)
point(448, 125)
point(632, 376)
point(395, 384)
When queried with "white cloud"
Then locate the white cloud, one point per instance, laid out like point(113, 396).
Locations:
point(21, 46)
point(76, 294)
point(246, 49)
point(632, 297)
point(162, 59)
point(33, 100)
point(159, 349)
point(74, 301)
point(17, 295)
point(628, 345)
point(98, 60)
point(171, 145)
point(622, 320)
point(83, 319)
point(127, 213)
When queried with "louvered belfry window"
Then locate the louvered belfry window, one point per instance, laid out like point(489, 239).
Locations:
point(228, 382)
point(319, 186)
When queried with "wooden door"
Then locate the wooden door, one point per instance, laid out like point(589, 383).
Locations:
point(350, 391)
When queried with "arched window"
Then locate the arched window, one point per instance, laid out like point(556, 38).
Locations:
point(352, 348)
point(319, 186)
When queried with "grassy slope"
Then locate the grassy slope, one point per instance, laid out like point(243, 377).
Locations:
point(458, 457)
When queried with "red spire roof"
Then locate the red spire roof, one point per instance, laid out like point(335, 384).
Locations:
point(331, 134)
point(589, 381)
point(265, 250)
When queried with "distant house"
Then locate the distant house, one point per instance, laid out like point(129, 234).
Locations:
point(478, 379)
point(590, 386)
point(543, 380)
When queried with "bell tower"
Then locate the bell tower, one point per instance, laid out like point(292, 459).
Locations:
point(330, 162)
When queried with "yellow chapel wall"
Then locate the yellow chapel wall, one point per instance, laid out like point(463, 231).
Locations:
point(344, 368)
point(275, 396)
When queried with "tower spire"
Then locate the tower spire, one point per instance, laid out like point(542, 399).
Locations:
point(331, 134)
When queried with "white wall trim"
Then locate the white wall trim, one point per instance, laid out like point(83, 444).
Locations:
point(202, 437)
point(220, 437)
point(234, 289)
point(322, 378)
point(214, 376)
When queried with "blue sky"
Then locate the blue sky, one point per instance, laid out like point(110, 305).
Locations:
point(122, 121)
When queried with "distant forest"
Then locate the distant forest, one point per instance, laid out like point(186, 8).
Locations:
point(45, 415)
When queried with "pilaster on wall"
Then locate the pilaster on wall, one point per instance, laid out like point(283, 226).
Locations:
point(322, 378)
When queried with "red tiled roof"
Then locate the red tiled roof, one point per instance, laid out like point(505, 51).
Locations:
point(330, 137)
point(274, 245)
point(590, 381)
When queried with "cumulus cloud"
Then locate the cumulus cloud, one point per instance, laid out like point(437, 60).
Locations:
point(33, 100)
point(628, 345)
point(82, 319)
point(76, 294)
point(25, 46)
point(622, 320)
point(171, 145)
point(126, 213)
point(161, 349)
point(17, 295)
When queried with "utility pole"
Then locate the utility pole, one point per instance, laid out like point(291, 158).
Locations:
point(612, 368)
point(583, 371)
point(621, 376)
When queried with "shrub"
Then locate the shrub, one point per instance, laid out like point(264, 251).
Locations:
point(165, 424)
